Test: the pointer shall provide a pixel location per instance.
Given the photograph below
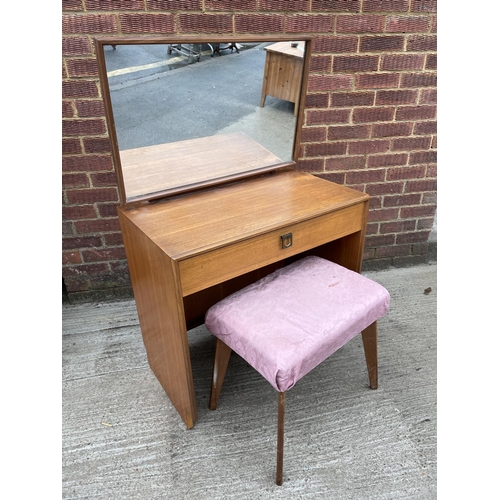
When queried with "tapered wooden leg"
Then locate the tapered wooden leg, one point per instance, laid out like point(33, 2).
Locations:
point(221, 360)
point(281, 437)
point(370, 345)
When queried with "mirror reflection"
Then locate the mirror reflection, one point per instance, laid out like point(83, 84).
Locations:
point(233, 103)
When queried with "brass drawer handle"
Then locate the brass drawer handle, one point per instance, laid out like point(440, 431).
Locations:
point(286, 240)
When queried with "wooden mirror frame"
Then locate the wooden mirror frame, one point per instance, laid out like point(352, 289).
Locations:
point(99, 44)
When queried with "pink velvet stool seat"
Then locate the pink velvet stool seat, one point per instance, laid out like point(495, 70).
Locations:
point(287, 323)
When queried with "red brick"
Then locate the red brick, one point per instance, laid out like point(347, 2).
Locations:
point(377, 80)
point(320, 64)
point(407, 24)
point(316, 23)
point(387, 160)
point(82, 67)
point(285, 5)
point(418, 211)
point(71, 146)
point(335, 44)
point(415, 112)
point(82, 242)
point(346, 163)
point(75, 180)
point(424, 128)
point(87, 109)
point(393, 62)
point(370, 115)
point(78, 212)
point(83, 196)
point(97, 226)
point(230, 5)
point(325, 149)
point(73, 257)
point(114, 5)
point(411, 143)
point(72, 5)
point(172, 5)
point(402, 200)
point(316, 101)
point(259, 23)
point(422, 43)
point(76, 46)
point(428, 96)
point(424, 6)
point(367, 147)
point(431, 61)
point(83, 127)
point(425, 223)
point(149, 23)
point(103, 179)
point(97, 145)
point(78, 89)
point(419, 80)
point(360, 24)
point(113, 239)
point(423, 157)
point(397, 97)
point(316, 165)
point(355, 63)
point(336, 5)
point(391, 129)
point(313, 134)
point(381, 43)
point(383, 189)
point(107, 209)
point(89, 24)
point(84, 163)
point(321, 117)
point(414, 237)
point(329, 82)
point(421, 185)
point(399, 173)
point(397, 226)
point(337, 132)
point(337, 177)
point(345, 99)
point(81, 271)
point(67, 109)
point(381, 239)
point(103, 255)
point(386, 5)
point(364, 176)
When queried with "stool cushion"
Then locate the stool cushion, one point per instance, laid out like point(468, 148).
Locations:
point(288, 322)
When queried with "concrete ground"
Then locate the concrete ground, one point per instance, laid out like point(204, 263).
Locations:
point(122, 438)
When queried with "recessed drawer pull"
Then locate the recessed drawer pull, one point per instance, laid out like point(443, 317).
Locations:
point(286, 240)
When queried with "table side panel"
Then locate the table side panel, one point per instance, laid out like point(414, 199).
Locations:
point(161, 316)
point(214, 267)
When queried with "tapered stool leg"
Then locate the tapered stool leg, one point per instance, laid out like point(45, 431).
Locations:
point(281, 437)
point(222, 355)
point(369, 335)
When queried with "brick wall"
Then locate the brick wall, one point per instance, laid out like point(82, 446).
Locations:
point(370, 119)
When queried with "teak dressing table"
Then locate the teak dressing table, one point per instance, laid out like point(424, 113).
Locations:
point(188, 248)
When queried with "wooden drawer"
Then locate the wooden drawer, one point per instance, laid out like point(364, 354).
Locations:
point(216, 266)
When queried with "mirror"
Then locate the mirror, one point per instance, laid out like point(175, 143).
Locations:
point(186, 113)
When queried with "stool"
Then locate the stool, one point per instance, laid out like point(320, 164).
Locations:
point(288, 322)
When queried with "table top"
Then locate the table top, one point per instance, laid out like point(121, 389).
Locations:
point(194, 223)
point(287, 49)
point(163, 167)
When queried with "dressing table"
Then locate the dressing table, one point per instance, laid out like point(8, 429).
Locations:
point(205, 217)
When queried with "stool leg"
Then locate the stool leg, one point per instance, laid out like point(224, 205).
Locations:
point(370, 345)
point(281, 437)
point(221, 360)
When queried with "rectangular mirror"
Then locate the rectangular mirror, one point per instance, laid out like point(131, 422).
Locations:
point(185, 113)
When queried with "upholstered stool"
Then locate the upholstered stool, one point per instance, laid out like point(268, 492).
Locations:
point(287, 323)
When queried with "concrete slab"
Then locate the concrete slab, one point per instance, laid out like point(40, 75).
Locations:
point(123, 439)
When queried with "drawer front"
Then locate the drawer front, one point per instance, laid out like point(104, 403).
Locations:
point(210, 268)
